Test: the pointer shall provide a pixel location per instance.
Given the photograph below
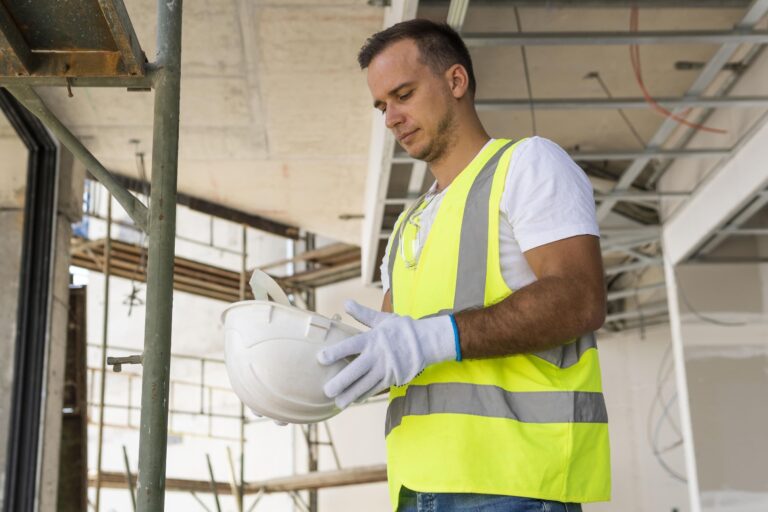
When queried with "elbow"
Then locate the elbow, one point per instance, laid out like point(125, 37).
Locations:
point(594, 313)
point(595, 319)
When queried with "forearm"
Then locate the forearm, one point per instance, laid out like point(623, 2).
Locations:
point(541, 315)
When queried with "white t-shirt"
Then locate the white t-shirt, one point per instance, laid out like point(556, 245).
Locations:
point(547, 197)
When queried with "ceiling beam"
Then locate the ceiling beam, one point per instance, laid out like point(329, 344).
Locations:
point(217, 210)
point(639, 196)
point(634, 292)
point(620, 4)
point(590, 156)
point(121, 28)
point(622, 103)
point(636, 265)
point(625, 154)
point(478, 39)
point(17, 58)
point(657, 308)
point(756, 11)
point(723, 201)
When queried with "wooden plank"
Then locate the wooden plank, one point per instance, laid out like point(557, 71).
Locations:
point(307, 481)
point(189, 276)
point(116, 480)
point(304, 277)
point(316, 255)
point(321, 480)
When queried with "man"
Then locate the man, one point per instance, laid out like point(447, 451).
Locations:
point(496, 400)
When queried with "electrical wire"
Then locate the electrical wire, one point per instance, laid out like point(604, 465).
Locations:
point(133, 299)
point(704, 318)
point(653, 431)
point(596, 75)
point(634, 54)
point(527, 75)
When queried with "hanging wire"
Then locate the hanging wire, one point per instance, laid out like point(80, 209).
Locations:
point(133, 298)
point(596, 75)
point(634, 54)
point(527, 75)
point(705, 318)
point(653, 432)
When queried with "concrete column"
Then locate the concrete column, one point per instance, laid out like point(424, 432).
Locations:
point(68, 211)
point(13, 178)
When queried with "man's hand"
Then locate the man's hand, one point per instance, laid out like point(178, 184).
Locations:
point(393, 352)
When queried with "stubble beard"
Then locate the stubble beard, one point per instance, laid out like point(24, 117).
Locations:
point(444, 139)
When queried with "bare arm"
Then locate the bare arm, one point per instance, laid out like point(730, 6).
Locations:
point(386, 304)
point(566, 301)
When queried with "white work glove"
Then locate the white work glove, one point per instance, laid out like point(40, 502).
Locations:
point(393, 352)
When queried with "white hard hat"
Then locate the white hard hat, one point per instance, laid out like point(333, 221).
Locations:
point(270, 351)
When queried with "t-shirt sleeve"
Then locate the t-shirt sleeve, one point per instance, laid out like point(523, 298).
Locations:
point(547, 197)
point(385, 270)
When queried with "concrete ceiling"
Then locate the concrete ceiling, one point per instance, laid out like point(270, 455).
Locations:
point(275, 114)
point(274, 110)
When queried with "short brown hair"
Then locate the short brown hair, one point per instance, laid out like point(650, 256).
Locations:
point(439, 45)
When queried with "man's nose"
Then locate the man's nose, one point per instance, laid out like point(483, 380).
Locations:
point(393, 117)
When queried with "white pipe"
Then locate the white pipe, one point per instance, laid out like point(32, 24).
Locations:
point(682, 385)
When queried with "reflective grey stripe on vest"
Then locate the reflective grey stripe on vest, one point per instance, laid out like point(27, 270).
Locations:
point(473, 245)
point(569, 354)
point(495, 402)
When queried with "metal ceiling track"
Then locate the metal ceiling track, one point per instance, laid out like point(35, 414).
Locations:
point(729, 40)
point(737, 36)
point(629, 154)
point(754, 13)
point(688, 101)
point(92, 43)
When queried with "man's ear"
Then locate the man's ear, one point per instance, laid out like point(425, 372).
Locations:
point(458, 80)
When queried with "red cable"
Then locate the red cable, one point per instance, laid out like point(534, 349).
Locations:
point(634, 55)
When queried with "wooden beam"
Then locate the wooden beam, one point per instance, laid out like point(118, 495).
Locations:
point(116, 480)
point(316, 480)
point(188, 275)
point(329, 251)
point(321, 480)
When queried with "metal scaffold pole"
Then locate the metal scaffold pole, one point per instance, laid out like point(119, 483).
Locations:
point(104, 338)
point(162, 227)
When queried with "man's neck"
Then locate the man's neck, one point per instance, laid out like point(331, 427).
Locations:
point(458, 157)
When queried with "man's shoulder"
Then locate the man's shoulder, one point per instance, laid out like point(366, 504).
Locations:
point(539, 145)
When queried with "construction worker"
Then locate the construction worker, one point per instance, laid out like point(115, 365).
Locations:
point(493, 287)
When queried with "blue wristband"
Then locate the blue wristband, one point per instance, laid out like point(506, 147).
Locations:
point(456, 337)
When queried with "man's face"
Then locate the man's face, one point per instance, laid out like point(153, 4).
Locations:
point(415, 101)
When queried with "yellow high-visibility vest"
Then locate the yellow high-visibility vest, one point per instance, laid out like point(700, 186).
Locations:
point(529, 425)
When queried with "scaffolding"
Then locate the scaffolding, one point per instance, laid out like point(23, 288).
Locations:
point(102, 49)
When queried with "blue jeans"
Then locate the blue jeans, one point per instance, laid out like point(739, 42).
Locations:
point(411, 501)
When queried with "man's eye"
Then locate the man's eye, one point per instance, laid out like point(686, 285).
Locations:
point(406, 95)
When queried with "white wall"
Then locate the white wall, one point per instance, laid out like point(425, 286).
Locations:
point(196, 331)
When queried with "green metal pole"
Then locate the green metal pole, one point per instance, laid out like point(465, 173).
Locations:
point(153, 435)
point(104, 335)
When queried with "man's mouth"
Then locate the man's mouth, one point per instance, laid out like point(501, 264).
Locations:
point(404, 138)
